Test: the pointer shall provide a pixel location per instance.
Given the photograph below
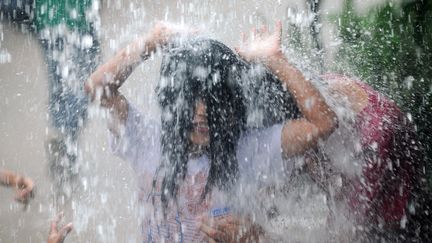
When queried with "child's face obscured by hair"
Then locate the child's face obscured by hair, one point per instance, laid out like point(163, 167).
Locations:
point(200, 129)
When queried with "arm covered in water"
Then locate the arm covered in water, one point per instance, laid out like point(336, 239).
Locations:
point(103, 85)
point(319, 120)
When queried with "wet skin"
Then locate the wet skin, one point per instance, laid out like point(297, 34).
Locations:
point(200, 133)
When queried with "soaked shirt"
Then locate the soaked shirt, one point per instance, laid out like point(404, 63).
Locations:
point(260, 161)
point(381, 191)
point(386, 184)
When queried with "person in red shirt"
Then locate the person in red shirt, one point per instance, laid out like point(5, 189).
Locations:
point(385, 191)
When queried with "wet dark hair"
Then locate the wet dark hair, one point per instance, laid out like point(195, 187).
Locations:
point(231, 89)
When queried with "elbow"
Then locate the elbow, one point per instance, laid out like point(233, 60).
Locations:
point(330, 124)
point(333, 123)
point(93, 83)
point(89, 88)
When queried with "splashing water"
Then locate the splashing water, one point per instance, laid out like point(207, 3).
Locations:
point(104, 201)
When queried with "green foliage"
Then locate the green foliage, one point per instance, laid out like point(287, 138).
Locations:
point(391, 49)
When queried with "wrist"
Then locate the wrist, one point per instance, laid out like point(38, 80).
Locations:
point(276, 62)
point(12, 180)
point(148, 46)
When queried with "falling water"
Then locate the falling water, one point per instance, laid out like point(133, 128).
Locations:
point(102, 202)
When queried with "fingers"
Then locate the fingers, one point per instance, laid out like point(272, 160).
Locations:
point(65, 231)
point(231, 227)
point(206, 226)
point(206, 220)
point(211, 233)
point(24, 188)
point(262, 44)
point(220, 229)
point(278, 30)
point(243, 38)
point(228, 224)
point(55, 235)
point(278, 26)
point(23, 196)
point(210, 240)
point(55, 221)
point(258, 33)
point(263, 30)
point(28, 183)
point(171, 28)
point(230, 231)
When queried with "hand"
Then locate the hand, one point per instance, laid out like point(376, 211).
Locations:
point(262, 46)
point(58, 236)
point(163, 32)
point(229, 229)
point(24, 189)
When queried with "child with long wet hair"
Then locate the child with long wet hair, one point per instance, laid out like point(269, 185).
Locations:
point(224, 123)
point(207, 70)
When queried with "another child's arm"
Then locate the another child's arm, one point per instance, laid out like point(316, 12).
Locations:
point(103, 85)
point(23, 186)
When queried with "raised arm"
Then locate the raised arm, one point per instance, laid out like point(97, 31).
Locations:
point(103, 85)
point(319, 120)
point(110, 76)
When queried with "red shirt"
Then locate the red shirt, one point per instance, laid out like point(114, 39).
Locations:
point(382, 192)
point(385, 188)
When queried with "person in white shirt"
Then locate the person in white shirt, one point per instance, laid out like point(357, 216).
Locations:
point(196, 157)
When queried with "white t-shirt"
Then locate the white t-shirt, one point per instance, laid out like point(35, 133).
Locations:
point(260, 163)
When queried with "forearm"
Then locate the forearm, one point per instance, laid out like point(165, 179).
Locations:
point(318, 119)
point(110, 76)
point(309, 100)
point(8, 178)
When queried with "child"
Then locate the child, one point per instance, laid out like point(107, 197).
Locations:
point(201, 149)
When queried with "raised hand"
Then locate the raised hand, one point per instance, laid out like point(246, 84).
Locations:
point(56, 235)
point(163, 32)
point(262, 45)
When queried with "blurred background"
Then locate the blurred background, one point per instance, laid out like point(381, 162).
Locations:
point(385, 43)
